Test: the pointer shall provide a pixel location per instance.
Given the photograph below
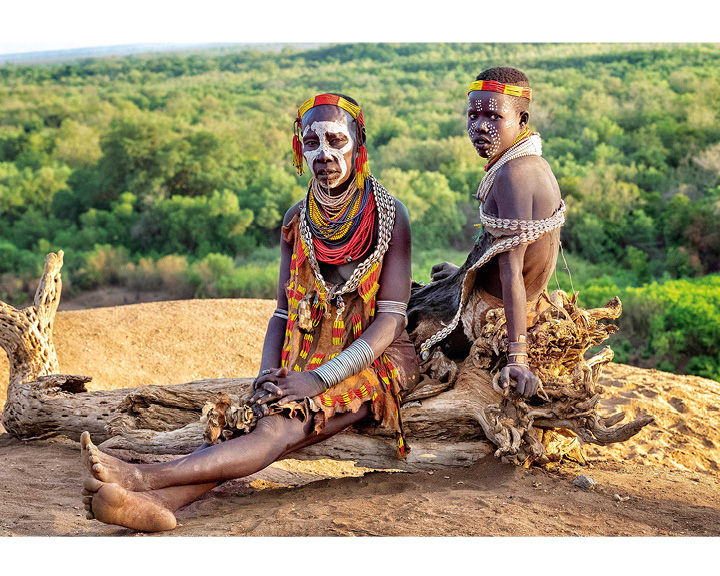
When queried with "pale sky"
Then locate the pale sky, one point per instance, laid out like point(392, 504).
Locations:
point(38, 25)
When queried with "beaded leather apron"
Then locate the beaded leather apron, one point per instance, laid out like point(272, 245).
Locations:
point(319, 329)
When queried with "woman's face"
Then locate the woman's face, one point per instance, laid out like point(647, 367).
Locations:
point(328, 137)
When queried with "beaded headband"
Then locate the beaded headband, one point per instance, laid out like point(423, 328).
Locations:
point(332, 100)
point(362, 170)
point(492, 86)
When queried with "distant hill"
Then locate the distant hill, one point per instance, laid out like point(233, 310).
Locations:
point(58, 56)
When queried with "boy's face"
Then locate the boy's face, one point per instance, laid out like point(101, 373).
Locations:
point(493, 122)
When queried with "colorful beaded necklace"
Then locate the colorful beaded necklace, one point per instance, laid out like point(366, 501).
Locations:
point(345, 233)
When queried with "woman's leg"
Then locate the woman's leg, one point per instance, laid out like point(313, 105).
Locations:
point(273, 437)
point(145, 511)
point(152, 510)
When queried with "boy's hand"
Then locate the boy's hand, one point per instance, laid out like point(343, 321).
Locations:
point(442, 271)
point(526, 383)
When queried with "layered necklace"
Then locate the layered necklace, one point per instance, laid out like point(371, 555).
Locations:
point(528, 143)
point(377, 201)
point(342, 226)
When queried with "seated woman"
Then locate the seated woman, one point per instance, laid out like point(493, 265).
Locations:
point(336, 351)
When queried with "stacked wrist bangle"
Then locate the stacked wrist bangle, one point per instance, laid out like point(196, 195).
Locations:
point(517, 352)
point(349, 362)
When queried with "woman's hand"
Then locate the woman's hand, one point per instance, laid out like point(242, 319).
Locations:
point(526, 383)
point(260, 392)
point(286, 385)
point(442, 271)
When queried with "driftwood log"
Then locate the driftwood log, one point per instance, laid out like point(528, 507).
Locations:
point(451, 428)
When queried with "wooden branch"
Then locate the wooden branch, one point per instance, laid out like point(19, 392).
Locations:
point(456, 415)
point(27, 335)
point(60, 404)
point(166, 420)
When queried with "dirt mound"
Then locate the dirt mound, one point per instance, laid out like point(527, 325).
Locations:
point(159, 342)
point(686, 432)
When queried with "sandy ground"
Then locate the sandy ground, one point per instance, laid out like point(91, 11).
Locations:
point(665, 481)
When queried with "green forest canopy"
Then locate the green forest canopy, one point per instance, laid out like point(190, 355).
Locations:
point(174, 171)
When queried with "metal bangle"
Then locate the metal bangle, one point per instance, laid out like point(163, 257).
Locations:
point(391, 306)
point(280, 313)
point(519, 346)
point(355, 358)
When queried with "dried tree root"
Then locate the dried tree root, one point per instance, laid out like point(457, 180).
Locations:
point(569, 394)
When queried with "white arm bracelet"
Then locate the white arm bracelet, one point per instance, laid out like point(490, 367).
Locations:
point(280, 313)
point(392, 306)
point(353, 360)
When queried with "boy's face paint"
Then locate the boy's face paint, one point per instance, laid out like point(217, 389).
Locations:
point(328, 145)
point(493, 123)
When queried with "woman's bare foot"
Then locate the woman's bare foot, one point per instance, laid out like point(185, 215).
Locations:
point(112, 504)
point(109, 469)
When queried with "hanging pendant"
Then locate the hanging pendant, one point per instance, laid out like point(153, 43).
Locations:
point(305, 313)
point(338, 331)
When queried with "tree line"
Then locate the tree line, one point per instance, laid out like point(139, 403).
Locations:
point(174, 171)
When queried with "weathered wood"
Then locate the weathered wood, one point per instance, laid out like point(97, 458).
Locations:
point(166, 420)
point(26, 335)
point(450, 428)
point(60, 404)
point(374, 452)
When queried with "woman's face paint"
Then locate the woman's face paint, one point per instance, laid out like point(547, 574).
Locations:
point(328, 145)
point(493, 123)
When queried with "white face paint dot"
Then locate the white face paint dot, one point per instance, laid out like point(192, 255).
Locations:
point(494, 136)
point(487, 126)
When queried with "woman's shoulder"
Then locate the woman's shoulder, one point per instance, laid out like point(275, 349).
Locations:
point(402, 216)
point(293, 211)
point(290, 223)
